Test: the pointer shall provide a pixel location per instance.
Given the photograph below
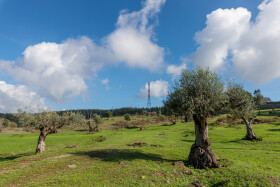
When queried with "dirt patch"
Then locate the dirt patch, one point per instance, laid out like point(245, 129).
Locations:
point(71, 146)
point(138, 144)
point(58, 157)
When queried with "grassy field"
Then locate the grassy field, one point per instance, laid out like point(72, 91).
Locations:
point(109, 159)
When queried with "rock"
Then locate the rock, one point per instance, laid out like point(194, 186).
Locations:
point(72, 166)
point(179, 163)
point(196, 184)
point(188, 172)
point(71, 146)
point(122, 164)
point(142, 128)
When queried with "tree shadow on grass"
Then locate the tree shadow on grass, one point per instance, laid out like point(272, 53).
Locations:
point(273, 129)
point(276, 124)
point(5, 157)
point(117, 155)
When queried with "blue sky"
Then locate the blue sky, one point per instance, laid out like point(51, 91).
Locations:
point(71, 54)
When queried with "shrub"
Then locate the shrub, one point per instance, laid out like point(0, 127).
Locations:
point(121, 124)
point(161, 118)
point(99, 139)
point(127, 117)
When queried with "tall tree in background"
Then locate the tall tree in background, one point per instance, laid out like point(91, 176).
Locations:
point(108, 114)
point(48, 122)
point(241, 105)
point(173, 104)
point(201, 94)
point(259, 99)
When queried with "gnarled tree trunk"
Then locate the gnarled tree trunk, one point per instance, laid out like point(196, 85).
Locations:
point(201, 155)
point(250, 134)
point(41, 140)
point(90, 128)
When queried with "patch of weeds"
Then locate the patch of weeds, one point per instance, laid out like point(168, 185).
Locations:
point(99, 139)
point(138, 144)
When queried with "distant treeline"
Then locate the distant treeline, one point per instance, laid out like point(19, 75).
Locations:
point(88, 112)
point(129, 110)
point(8, 116)
point(115, 112)
point(270, 105)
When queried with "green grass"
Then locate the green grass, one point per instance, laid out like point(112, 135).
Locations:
point(111, 161)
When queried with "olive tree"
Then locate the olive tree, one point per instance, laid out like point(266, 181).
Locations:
point(202, 94)
point(48, 122)
point(241, 105)
point(94, 123)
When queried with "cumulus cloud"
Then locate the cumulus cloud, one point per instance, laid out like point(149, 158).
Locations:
point(175, 71)
point(14, 97)
point(252, 47)
point(132, 42)
point(58, 70)
point(158, 89)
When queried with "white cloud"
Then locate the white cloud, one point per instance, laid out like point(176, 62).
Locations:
point(14, 97)
point(105, 81)
point(175, 71)
point(132, 43)
point(253, 47)
point(158, 89)
point(58, 70)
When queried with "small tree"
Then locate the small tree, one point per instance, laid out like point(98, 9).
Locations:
point(127, 117)
point(6, 123)
point(108, 114)
point(97, 120)
point(259, 99)
point(202, 94)
point(241, 105)
point(94, 123)
point(48, 122)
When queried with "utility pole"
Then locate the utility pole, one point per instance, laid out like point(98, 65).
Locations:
point(149, 98)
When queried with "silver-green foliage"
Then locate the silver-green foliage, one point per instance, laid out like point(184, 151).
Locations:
point(46, 119)
point(241, 103)
point(202, 92)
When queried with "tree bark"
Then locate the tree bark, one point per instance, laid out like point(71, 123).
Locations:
point(90, 127)
point(250, 135)
point(41, 142)
point(201, 155)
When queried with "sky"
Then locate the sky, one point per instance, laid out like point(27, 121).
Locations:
point(70, 54)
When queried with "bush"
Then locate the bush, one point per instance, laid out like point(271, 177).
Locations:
point(127, 117)
point(121, 124)
point(161, 118)
point(6, 123)
point(99, 139)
